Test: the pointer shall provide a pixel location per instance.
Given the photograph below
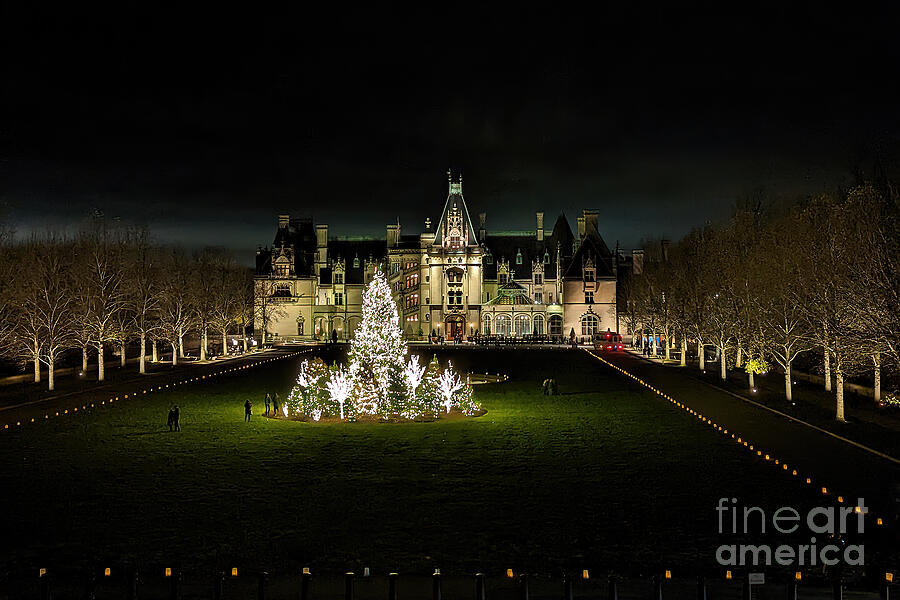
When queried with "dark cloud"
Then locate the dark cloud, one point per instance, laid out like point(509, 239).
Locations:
point(205, 124)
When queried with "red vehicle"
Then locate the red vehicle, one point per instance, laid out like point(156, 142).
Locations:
point(609, 341)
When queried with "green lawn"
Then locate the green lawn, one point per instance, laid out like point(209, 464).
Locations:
point(605, 475)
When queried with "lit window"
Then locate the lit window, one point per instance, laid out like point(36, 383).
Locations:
point(556, 324)
point(519, 257)
point(502, 324)
point(538, 325)
point(589, 297)
point(356, 262)
point(546, 257)
point(590, 324)
point(589, 274)
point(538, 297)
point(339, 278)
point(523, 325)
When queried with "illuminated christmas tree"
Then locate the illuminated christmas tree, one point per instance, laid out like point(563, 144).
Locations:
point(378, 352)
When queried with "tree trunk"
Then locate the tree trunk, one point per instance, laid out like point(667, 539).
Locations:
point(877, 359)
point(701, 352)
point(101, 372)
point(723, 372)
point(244, 337)
point(155, 351)
point(174, 355)
point(181, 342)
point(51, 381)
point(839, 376)
point(683, 351)
point(752, 379)
point(203, 344)
point(37, 363)
point(224, 343)
point(788, 390)
point(123, 355)
point(143, 363)
point(827, 371)
point(653, 342)
point(737, 360)
point(84, 359)
point(263, 335)
point(668, 348)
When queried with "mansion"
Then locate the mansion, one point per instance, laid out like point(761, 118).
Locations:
point(451, 281)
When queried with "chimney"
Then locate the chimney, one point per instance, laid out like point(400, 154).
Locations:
point(580, 227)
point(637, 261)
point(540, 227)
point(590, 220)
point(393, 236)
point(322, 243)
point(284, 221)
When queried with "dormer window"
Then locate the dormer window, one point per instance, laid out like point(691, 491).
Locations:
point(590, 274)
point(355, 262)
point(282, 267)
point(518, 257)
point(339, 278)
point(546, 257)
point(538, 278)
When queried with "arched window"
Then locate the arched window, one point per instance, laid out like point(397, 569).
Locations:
point(590, 324)
point(486, 324)
point(502, 324)
point(546, 257)
point(539, 324)
point(523, 325)
point(555, 325)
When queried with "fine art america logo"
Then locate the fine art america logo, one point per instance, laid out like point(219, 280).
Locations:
point(826, 527)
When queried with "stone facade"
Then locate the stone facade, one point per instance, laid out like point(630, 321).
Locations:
point(450, 281)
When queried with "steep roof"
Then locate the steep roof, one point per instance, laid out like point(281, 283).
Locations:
point(299, 233)
point(455, 202)
point(508, 245)
point(592, 248)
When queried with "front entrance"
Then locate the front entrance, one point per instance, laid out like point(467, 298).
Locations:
point(456, 327)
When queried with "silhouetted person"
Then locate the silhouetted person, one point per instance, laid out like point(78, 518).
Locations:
point(176, 417)
point(334, 336)
point(248, 410)
point(171, 421)
point(268, 403)
point(554, 391)
point(275, 403)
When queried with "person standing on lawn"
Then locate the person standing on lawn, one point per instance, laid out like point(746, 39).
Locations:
point(268, 403)
point(248, 410)
point(176, 416)
point(275, 404)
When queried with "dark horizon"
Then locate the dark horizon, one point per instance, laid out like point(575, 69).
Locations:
point(207, 126)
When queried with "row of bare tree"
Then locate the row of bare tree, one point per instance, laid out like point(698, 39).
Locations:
point(822, 277)
point(111, 288)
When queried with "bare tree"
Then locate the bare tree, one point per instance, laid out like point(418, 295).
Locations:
point(104, 289)
point(174, 300)
point(144, 289)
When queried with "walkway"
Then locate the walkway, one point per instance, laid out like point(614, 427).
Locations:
point(837, 466)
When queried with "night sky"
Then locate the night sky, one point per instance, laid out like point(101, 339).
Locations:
point(207, 124)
